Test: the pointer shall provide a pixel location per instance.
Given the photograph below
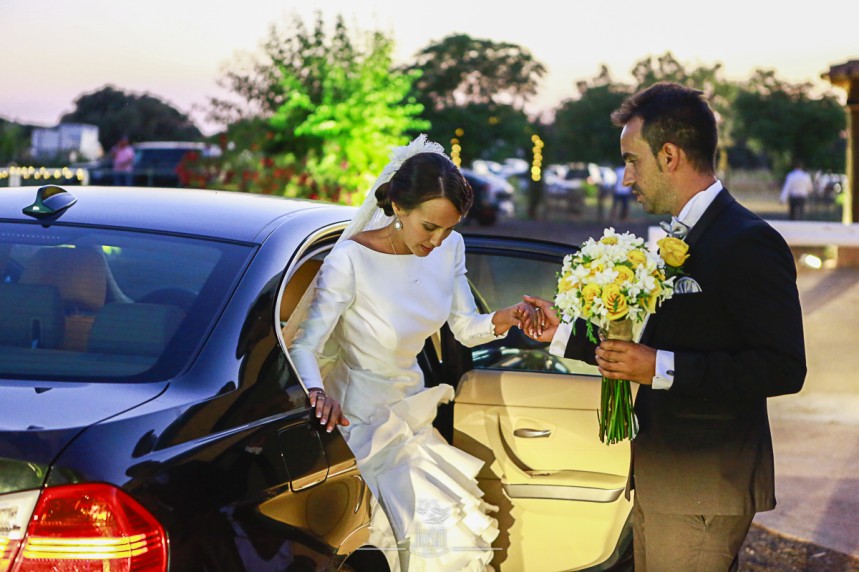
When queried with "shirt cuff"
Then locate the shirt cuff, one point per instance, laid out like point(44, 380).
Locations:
point(664, 377)
point(492, 329)
point(558, 347)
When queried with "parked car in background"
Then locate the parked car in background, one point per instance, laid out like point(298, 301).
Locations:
point(493, 197)
point(156, 164)
point(153, 420)
point(828, 185)
point(573, 177)
point(501, 191)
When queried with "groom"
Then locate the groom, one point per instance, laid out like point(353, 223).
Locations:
point(702, 463)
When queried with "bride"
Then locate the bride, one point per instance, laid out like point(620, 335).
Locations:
point(394, 278)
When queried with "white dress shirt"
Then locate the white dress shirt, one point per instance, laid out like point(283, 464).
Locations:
point(689, 215)
point(797, 184)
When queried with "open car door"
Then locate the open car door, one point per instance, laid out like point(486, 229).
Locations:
point(532, 418)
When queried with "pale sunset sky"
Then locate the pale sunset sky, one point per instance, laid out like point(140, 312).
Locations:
point(52, 51)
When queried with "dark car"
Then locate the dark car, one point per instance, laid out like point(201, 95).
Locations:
point(485, 209)
point(152, 418)
point(156, 164)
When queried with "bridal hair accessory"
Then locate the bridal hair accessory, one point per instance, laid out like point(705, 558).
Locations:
point(369, 215)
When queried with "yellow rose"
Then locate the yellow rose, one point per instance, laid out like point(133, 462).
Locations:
point(589, 292)
point(650, 302)
point(614, 301)
point(673, 251)
point(609, 240)
point(565, 283)
point(637, 257)
point(624, 274)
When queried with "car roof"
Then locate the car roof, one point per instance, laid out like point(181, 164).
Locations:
point(228, 215)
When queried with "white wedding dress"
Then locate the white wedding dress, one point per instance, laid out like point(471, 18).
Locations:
point(368, 321)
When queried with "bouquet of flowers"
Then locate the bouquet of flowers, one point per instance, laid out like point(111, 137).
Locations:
point(614, 283)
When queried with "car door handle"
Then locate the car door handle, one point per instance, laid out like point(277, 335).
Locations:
point(532, 433)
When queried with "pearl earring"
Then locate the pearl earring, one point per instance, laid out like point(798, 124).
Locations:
point(398, 224)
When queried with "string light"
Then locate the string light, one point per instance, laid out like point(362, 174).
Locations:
point(41, 173)
point(456, 148)
point(537, 161)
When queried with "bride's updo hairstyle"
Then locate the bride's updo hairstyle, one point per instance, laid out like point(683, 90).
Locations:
point(424, 177)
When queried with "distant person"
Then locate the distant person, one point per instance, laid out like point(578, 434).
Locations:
point(123, 162)
point(797, 187)
point(622, 194)
point(605, 189)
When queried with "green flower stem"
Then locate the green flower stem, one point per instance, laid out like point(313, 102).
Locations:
point(616, 415)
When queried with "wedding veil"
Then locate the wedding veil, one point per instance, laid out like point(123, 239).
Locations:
point(368, 217)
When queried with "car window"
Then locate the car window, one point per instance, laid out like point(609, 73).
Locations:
point(98, 304)
point(159, 158)
point(500, 280)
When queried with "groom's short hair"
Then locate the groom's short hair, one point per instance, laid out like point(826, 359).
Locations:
point(673, 113)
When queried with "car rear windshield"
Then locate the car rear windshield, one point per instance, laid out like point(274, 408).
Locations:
point(103, 304)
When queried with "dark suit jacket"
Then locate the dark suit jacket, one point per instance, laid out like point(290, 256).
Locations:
point(704, 445)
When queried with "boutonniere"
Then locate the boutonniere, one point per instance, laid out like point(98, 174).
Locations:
point(674, 252)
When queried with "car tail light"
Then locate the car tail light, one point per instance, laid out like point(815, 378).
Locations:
point(93, 528)
point(15, 511)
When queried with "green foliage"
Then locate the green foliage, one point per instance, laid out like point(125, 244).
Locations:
point(582, 130)
point(460, 69)
point(14, 141)
point(786, 123)
point(479, 86)
point(330, 109)
point(489, 130)
point(140, 117)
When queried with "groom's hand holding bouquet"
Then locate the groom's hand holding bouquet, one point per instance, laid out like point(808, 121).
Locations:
point(613, 283)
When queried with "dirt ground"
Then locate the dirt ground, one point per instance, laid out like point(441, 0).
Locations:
point(767, 551)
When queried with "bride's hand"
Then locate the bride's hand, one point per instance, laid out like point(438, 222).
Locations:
point(547, 320)
point(328, 409)
point(521, 315)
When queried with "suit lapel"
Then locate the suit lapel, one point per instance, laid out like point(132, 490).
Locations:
point(720, 203)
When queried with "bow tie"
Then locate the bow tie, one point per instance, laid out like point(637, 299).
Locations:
point(675, 228)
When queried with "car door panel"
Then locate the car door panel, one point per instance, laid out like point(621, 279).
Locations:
point(532, 419)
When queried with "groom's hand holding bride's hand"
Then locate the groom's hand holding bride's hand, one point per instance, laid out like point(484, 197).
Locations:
point(546, 323)
point(327, 408)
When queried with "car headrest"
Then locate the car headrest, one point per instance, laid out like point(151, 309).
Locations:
point(134, 329)
point(80, 274)
point(32, 316)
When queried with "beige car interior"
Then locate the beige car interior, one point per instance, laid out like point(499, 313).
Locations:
point(82, 308)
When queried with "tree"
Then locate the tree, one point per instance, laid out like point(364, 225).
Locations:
point(332, 108)
point(784, 122)
point(582, 130)
point(460, 69)
point(140, 117)
point(14, 141)
point(480, 87)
